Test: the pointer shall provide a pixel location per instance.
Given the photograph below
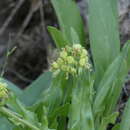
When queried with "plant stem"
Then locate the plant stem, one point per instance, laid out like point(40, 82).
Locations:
point(14, 116)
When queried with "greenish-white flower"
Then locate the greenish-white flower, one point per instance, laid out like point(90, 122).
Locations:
point(73, 70)
point(77, 46)
point(82, 62)
point(64, 68)
point(63, 54)
point(3, 90)
point(55, 65)
point(83, 53)
point(60, 61)
point(71, 60)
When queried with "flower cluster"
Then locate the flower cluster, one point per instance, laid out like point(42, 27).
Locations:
point(3, 91)
point(71, 60)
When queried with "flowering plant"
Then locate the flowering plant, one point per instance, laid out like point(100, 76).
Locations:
point(72, 61)
point(77, 93)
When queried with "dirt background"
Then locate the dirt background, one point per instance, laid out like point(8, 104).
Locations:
point(23, 25)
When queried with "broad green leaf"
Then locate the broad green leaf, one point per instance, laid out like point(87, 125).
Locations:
point(115, 91)
point(104, 35)
point(69, 16)
point(58, 37)
point(106, 83)
point(125, 123)
point(111, 84)
point(117, 87)
point(34, 91)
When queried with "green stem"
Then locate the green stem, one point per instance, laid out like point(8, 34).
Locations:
point(14, 116)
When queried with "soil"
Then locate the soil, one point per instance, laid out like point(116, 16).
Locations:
point(29, 60)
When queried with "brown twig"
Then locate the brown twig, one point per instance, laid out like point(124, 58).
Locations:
point(9, 19)
point(33, 9)
point(43, 22)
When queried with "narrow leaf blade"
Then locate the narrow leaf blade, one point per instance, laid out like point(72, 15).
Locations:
point(34, 91)
point(58, 37)
point(104, 35)
point(69, 16)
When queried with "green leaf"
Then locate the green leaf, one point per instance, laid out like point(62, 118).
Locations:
point(12, 103)
point(33, 92)
point(128, 55)
point(104, 35)
point(60, 111)
point(5, 124)
point(106, 84)
point(125, 123)
point(110, 86)
point(75, 38)
point(116, 127)
point(115, 92)
point(80, 114)
point(27, 114)
point(109, 119)
point(52, 97)
point(58, 37)
point(69, 16)
point(20, 128)
point(14, 118)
